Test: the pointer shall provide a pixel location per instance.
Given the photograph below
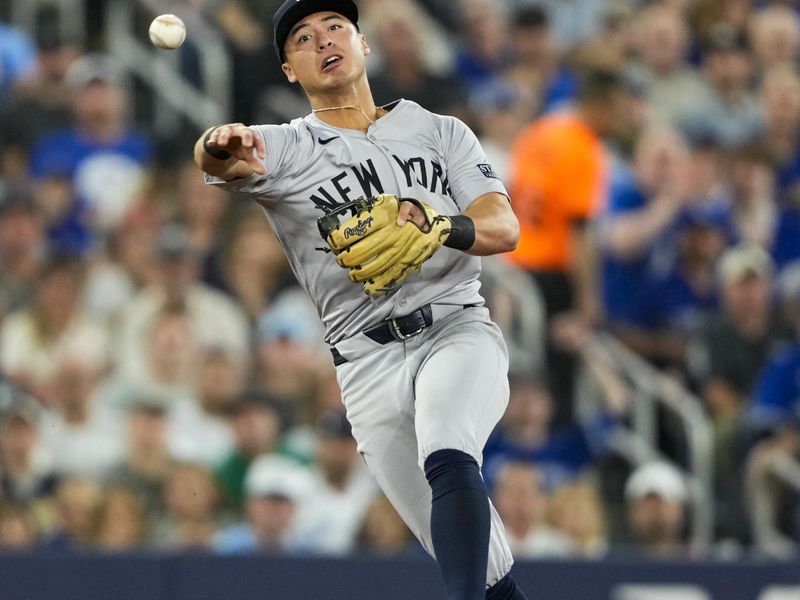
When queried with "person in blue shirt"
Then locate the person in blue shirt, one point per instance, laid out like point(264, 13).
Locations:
point(776, 399)
point(525, 435)
point(643, 203)
point(677, 301)
point(100, 156)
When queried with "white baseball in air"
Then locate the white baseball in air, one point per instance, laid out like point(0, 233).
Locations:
point(167, 32)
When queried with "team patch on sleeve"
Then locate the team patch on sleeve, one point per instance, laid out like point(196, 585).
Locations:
point(488, 171)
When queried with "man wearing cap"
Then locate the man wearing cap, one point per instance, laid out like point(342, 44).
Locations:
point(679, 296)
point(729, 352)
point(725, 359)
point(274, 486)
point(656, 496)
point(421, 366)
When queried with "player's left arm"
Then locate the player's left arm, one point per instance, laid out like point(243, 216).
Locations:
point(496, 225)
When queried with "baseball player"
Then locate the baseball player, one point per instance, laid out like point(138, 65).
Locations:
point(405, 202)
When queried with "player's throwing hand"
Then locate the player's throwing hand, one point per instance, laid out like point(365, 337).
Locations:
point(236, 140)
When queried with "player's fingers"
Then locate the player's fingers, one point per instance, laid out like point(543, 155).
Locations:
point(404, 212)
point(223, 136)
point(247, 137)
point(254, 161)
point(261, 148)
point(226, 133)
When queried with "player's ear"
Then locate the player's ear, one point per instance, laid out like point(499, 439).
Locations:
point(365, 45)
point(289, 72)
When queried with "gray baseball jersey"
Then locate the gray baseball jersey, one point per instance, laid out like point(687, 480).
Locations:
point(312, 167)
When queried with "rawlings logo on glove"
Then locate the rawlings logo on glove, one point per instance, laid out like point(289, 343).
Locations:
point(378, 252)
point(359, 230)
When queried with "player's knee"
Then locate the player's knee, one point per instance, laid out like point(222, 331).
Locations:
point(447, 470)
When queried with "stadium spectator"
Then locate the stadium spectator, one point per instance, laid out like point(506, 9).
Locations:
point(486, 50)
point(674, 88)
point(576, 510)
point(522, 503)
point(725, 360)
point(499, 114)
point(573, 22)
point(202, 210)
point(172, 356)
point(274, 486)
point(328, 518)
point(780, 108)
point(656, 497)
point(404, 73)
point(77, 502)
point(18, 531)
point(130, 248)
point(773, 404)
point(524, 435)
point(191, 519)
point(82, 432)
point(38, 104)
point(200, 430)
point(643, 204)
point(251, 267)
point(675, 303)
point(288, 357)
point(22, 250)
point(36, 338)
point(537, 77)
point(754, 210)
point(383, 532)
point(103, 158)
point(727, 108)
point(121, 525)
point(211, 319)
point(775, 35)
point(147, 462)
point(26, 474)
point(560, 172)
point(256, 424)
point(730, 350)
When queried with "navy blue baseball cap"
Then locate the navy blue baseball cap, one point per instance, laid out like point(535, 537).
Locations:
point(293, 11)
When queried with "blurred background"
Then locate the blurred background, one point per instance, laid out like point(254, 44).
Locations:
point(165, 388)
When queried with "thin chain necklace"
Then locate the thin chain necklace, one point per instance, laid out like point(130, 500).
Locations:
point(350, 106)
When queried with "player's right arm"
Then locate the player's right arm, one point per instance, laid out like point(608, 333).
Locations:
point(246, 150)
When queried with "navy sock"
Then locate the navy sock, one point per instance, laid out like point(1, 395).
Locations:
point(460, 523)
point(505, 589)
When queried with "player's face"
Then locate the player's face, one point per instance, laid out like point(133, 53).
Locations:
point(324, 52)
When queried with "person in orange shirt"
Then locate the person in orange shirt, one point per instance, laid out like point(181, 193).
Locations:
point(559, 174)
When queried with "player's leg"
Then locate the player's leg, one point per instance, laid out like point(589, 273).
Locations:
point(377, 389)
point(461, 393)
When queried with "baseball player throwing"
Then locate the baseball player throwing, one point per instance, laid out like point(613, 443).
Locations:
point(383, 213)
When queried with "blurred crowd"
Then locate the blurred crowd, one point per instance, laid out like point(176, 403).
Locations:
point(185, 399)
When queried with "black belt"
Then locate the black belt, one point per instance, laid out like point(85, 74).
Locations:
point(399, 329)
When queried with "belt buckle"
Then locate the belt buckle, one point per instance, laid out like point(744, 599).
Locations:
point(398, 335)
